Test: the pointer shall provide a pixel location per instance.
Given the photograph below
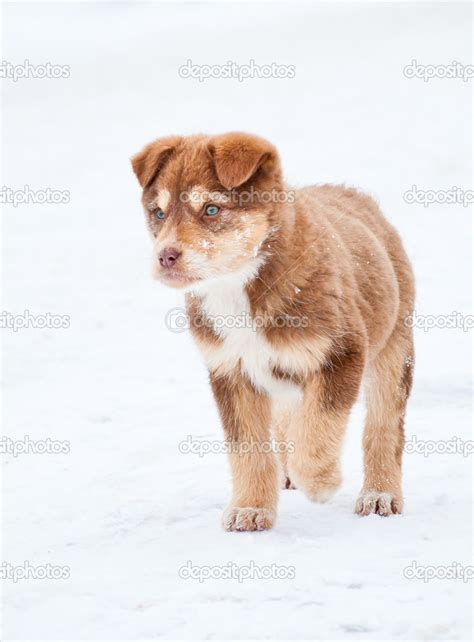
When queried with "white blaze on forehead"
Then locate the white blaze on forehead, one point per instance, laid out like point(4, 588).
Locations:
point(163, 199)
point(198, 195)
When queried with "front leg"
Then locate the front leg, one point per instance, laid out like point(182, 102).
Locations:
point(318, 428)
point(245, 415)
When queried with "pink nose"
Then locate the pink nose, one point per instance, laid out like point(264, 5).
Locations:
point(168, 257)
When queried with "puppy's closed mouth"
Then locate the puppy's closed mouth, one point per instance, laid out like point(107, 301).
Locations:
point(175, 276)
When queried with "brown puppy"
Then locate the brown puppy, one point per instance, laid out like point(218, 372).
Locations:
point(294, 297)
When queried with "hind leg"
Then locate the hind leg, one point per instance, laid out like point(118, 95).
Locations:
point(389, 380)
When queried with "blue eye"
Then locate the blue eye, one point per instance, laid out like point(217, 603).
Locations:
point(212, 210)
point(160, 214)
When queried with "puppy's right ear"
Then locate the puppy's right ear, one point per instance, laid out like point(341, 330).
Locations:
point(147, 163)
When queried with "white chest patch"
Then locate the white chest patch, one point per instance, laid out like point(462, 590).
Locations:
point(226, 305)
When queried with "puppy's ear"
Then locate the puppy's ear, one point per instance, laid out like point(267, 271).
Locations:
point(238, 156)
point(147, 163)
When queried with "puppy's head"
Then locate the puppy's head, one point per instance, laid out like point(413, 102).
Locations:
point(208, 204)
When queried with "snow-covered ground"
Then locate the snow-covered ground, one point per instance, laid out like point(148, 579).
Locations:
point(124, 509)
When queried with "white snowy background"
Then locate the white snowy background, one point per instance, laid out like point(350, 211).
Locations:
point(125, 509)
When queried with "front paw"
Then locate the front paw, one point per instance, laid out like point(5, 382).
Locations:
point(247, 519)
point(379, 503)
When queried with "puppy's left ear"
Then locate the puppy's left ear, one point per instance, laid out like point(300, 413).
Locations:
point(148, 163)
point(237, 157)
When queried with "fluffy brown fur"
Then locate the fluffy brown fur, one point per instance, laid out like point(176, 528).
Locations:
point(326, 278)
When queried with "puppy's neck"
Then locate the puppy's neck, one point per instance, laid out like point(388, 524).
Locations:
point(229, 282)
